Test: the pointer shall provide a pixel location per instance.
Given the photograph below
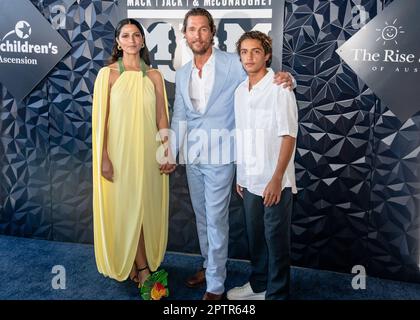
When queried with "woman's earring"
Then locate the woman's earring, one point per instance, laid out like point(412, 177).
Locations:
point(119, 47)
point(143, 45)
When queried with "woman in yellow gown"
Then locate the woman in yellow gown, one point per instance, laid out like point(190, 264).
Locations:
point(130, 186)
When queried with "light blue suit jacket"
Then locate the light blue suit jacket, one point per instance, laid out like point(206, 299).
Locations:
point(207, 138)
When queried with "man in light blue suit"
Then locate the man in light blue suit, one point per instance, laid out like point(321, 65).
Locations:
point(203, 122)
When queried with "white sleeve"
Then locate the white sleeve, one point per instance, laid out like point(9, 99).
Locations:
point(286, 113)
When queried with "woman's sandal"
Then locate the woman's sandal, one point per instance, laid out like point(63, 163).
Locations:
point(138, 275)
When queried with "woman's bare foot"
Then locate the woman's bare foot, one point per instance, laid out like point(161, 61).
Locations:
point(134, 274)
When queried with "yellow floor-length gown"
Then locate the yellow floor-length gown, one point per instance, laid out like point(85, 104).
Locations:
point(138, 196)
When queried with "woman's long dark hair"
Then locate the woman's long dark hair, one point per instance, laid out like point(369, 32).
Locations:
point(144, 52)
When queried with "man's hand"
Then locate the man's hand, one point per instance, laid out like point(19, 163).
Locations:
point(272, 192)
point(285, 79)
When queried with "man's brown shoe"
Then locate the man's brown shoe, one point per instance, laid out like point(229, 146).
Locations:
point(212, 296)
point(197, 280)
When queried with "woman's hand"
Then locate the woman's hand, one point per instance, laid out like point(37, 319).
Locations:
point(170, 164)
point(167, 168)
point(107, 168)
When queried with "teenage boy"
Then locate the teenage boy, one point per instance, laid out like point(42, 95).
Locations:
point(266, 125)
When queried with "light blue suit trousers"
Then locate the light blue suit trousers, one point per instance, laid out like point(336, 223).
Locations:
point(209, 183)
point(210, 189)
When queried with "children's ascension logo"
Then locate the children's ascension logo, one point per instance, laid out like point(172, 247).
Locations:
point(22, 29)
point(29, 47)
point(12, 43)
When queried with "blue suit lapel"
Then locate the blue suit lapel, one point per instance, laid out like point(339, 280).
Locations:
point(186, 85)
point(221, 72)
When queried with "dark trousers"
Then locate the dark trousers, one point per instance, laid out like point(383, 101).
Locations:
point(268, 230)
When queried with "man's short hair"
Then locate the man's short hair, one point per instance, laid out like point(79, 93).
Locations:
point(199, 12)
point(266, 43)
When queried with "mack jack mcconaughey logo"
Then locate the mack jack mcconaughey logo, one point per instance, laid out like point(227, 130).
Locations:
point(385, 54)
point(22, 31)
point(163, 20)
point(29, 47)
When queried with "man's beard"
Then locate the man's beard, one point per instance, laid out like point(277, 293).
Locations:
point(203, 50)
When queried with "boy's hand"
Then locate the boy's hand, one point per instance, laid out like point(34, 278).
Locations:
point(240, 190)
point(272, 192)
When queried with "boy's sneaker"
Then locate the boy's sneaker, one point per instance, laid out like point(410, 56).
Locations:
point(245, 293)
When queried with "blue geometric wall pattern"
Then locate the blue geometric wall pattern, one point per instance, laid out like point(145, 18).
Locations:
point(394, 224)
point(357, 166)
point(24, 161)
point(334, 148)
point(89, 29)
point(46, 187)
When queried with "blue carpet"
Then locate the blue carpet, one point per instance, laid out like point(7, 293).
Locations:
point(26, 273)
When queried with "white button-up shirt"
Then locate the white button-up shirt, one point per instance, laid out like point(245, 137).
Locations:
point(200, 88)
point(263, 115)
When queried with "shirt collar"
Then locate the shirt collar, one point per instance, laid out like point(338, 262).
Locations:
point(209, 62)
point(267, 79)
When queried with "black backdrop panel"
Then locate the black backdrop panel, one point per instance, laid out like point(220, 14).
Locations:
point(90, 31)
point(394, 221)
point(25, 187)
point(357, 166)
point(334, 150)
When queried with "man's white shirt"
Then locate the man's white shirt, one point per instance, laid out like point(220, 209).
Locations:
point(200, 88)
point(263, 115)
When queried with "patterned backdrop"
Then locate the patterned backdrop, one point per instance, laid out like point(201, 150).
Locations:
point(357, 165)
